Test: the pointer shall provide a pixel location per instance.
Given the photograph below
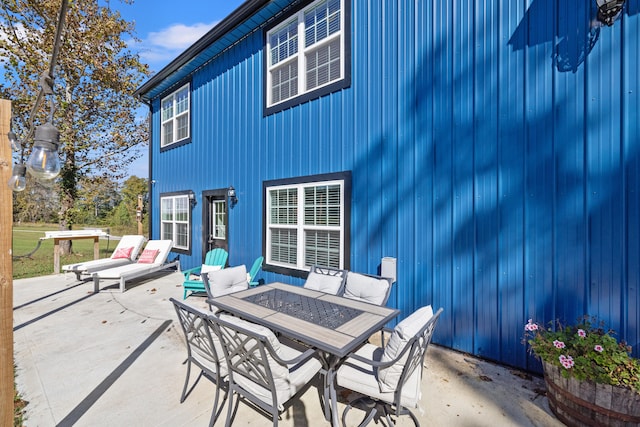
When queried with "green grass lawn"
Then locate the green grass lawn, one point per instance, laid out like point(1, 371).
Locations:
point(40, 263)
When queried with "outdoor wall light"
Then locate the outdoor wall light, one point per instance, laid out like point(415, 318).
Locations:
point(231, 193)
point(609, 10)
point(18, 181)
point(43, 162)
point(192, 198)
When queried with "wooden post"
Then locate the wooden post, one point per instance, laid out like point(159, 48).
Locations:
point(139, 214)
point(6, 269)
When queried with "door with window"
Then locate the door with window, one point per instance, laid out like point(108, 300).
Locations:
point(215, 221)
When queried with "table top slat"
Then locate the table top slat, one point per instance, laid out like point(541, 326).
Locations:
point(245, 306)
point(360, 324)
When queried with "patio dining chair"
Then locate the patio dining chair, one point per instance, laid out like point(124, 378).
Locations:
point(326, 279)
point(390, 377)
point(263, 370)
point(223, 282)
point(204, 351)
point(367, 288)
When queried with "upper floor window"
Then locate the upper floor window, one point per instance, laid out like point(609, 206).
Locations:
point(176, 121)
point(307, 55)
point(307, 222)
point(175, 220)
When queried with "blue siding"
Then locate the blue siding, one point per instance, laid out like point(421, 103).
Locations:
point(493, 147)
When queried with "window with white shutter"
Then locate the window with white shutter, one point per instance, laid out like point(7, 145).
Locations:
point(175, 116)
point(307, 222)
point(307, 55)
point(175, 220)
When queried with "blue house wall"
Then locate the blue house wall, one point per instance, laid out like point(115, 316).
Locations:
point(493, 147)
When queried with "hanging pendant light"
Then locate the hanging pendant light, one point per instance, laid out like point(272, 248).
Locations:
point(43, 162)
point(15, 142)
point(18, 180)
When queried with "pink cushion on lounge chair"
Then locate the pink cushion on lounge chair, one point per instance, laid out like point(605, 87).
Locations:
point(122, 253)
point(148, 256)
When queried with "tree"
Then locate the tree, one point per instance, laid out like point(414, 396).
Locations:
point(94, 82)
point(125, 212)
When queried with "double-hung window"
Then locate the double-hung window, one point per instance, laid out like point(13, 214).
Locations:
point(175, 220)
point(176, 122)
point(307, 55)
point(307, 222)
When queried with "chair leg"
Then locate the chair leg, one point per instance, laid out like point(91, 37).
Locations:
point(217, 410)
point(186, 382)
point(369, 405)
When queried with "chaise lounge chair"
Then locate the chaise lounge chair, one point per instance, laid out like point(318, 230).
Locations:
point(125, 253)
point(152, 259)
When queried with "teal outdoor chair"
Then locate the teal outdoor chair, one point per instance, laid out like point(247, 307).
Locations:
point(255, 268)
point(215, 259)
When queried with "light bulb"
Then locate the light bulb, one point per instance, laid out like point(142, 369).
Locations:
point(18, 181)
point(43, 162)
point(15, 142)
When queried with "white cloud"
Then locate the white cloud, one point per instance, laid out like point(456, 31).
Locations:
point(160, 47)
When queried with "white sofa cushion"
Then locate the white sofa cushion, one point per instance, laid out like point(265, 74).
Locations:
point(227, 280)
point(366, 288)
point(323, 283)
point(388, 377)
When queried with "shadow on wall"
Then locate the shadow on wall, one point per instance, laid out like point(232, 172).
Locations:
point(514, 209)
point(578, 29)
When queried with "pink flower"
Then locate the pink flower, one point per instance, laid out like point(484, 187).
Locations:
point(558, 344)
point(530, 326)
point(582, 333)
point(598, 348)
point(566, 361)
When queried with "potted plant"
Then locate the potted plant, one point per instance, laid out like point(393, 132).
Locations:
point(591, 378)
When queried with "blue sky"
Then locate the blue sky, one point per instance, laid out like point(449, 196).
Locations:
point(166, 28)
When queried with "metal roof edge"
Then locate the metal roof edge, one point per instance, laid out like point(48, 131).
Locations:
point(243, 12)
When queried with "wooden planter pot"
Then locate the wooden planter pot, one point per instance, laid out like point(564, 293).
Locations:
point(585, 403)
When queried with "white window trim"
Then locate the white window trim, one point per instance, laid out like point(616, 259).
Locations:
point(175, 116)
point(301, 227)
point(174, 222)
point(301, 54)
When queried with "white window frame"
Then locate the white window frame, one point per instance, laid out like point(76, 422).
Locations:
point(173, 120)
point(174, 221)
point(302, 53)
point(300, 227)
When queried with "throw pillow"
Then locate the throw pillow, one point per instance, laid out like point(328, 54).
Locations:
point(122, 253)
point(148, 256)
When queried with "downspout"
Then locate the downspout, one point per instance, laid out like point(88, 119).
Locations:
point(147, 102)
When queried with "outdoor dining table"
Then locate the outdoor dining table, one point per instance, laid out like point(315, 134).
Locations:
point(334, 325)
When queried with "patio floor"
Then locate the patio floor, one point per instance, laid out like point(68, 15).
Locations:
point(113, 359)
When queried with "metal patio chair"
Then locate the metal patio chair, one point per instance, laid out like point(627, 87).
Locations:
point(203, 350)
point(326, 279)
point(367, 288)
point(266, 372)
point(215, 258)
point(222, 282)
point(390, 377)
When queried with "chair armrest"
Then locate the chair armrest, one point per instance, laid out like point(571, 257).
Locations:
point(377, 363)
point(191, 271)
point(306, 355)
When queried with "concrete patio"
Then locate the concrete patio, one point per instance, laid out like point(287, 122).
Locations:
point(114, 359)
